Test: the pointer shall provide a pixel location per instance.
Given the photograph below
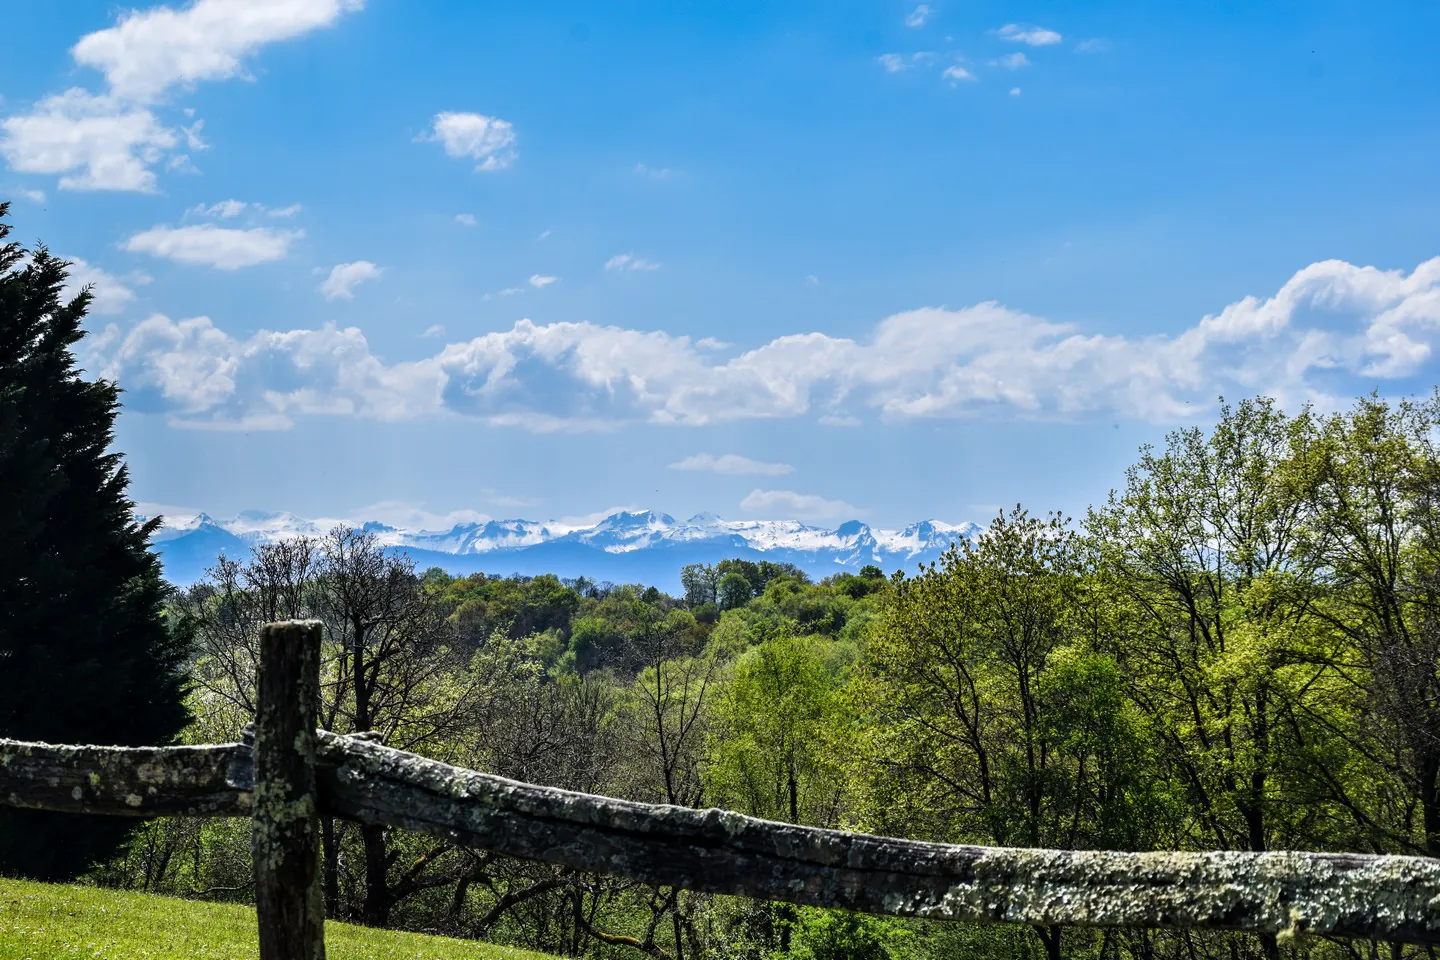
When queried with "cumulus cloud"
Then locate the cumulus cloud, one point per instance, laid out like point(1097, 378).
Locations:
point(112, 140)
point(109, 294)
point(1030, 35)
point(628, 261)
point(1333, 329)
point(487, 140)
point(918, 16)
point(345, 277)
point(956, 73)
point(732, 464)
point(789, 503)
point(34, 196)
point(540, 282)
point(151, 50)
point(1012, 61)
point(466, 219)
point(222, 247)
point(93, 142)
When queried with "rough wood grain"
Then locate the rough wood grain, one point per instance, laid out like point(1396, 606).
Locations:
point(285, 840)
point(1395, 898)
point(208, 781)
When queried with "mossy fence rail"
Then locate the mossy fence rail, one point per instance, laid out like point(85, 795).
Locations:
point(286, 774)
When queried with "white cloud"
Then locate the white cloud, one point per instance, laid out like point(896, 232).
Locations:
point(222, 247)
point(488, 140)
point(956, 73)
point(1092, 45)
point(1030, 35)
point(541, 282)
point(225, 209)
point(1014, 91)
point(151, 50)
point(109, 294)
point(434, 330)
point(34, 196)
point(345, 277)
point(791, 504)
point(113, 140)
point(918, 16)
point(230, 209)
point(732, 464)
point(896, 62)
point(1013, 61)
point(654, 173)
point(628, 261)
point(466, 219)
point(181, 163)
point(94, 142)
point(1333, 329)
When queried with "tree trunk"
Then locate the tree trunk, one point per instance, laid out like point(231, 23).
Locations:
point(1430, 804)
point(377, 891)
point(1050, 938)
point(675, 922)
point(332, 867)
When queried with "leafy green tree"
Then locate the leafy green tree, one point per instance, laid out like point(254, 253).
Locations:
point(86, 652)
point(734, 591)
point(1211, 591)
point(1370, 739)
point(990, 718)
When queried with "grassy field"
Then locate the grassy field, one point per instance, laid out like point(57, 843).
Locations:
point(44, 922)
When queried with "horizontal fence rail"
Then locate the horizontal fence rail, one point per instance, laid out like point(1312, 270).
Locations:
point(1348, 895)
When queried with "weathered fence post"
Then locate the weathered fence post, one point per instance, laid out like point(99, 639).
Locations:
point(285, 838)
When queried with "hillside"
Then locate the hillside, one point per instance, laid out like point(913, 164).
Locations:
point(47, 922)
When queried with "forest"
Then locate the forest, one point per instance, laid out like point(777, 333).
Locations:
point(1237, 651)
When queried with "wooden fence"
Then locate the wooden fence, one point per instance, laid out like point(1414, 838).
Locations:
point(286, 774)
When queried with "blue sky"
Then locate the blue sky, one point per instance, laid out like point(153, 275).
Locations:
point(767, 259)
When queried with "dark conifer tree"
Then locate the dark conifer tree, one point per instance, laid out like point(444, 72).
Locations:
point(86, 652)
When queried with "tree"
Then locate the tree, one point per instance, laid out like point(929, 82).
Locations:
point(734, 591)
point(389, 666)
point(86, 651)
point(992, 720)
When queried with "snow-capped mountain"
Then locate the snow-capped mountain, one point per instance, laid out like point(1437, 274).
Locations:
point(641, 546)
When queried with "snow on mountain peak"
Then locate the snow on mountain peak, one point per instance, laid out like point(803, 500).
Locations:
point(629, 533)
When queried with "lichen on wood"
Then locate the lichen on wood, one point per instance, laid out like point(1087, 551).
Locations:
point(126, 781)
point(1286, 894)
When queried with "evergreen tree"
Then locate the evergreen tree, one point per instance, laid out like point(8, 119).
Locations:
point(86, 652)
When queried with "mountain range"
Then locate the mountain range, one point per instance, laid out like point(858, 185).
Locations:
point(625, 547)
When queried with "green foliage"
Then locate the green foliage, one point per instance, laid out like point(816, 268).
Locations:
point(733, 591)
point(841, 935)
point(774, 725)
point(87, 653)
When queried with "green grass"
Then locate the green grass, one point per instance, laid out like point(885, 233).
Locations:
point(47, 922)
